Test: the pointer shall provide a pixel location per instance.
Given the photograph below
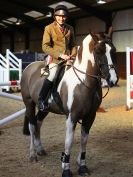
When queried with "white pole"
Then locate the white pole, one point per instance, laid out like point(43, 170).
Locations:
point(12, 117)
point(20, 68)
point(128, 76)
point(8, 68)
point(7, 95)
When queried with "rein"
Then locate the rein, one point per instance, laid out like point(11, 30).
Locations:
point(90, 75)
point(93, 76)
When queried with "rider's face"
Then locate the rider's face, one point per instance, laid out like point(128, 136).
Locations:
point(60, 19)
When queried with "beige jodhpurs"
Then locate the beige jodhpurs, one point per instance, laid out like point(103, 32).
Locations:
point(52, 71)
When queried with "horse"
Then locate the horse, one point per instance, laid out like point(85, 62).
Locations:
point(80, 93)
point(112, 62)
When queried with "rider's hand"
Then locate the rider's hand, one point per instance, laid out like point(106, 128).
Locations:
point(65, 57)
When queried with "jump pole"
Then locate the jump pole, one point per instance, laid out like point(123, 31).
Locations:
point(12, 117)
point(14, 97)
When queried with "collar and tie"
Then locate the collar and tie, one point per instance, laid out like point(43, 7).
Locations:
point(62, 28)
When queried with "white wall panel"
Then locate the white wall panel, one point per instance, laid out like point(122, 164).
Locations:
point(123, 20)
point(123, 30)
point(123, 39)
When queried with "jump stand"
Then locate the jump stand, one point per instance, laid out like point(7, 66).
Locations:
point(9, 64)
point(129, 77)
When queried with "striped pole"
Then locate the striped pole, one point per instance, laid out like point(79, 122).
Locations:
point(14, 97)
point(12, 117)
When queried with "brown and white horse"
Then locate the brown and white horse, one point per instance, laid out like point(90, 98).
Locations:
point(80, 92)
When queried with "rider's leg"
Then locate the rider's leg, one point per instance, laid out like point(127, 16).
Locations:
point(47, 85)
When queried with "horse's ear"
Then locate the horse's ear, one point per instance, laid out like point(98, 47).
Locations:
point(101, 36)
point(90, 32)
point(93, 42)
point(109, 34)
point(110, 31)
point(95, 37)
point(80, 53)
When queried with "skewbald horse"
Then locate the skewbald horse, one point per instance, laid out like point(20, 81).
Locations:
point(80, 92)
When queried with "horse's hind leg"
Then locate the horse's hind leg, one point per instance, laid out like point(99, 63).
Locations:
point(30, 124)
point(37, 141)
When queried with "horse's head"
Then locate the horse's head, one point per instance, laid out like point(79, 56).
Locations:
point(111, 59)
point(104, 51)
point(105, 58)
point(100, 55)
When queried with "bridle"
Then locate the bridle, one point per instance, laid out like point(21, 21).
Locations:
point(97, 77)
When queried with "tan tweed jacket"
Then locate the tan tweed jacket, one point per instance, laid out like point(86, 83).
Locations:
point(55, 42)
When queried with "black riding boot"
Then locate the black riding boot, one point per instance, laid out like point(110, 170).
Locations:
point(42, 101)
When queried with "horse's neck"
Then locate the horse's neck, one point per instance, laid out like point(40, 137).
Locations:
point(82, 63)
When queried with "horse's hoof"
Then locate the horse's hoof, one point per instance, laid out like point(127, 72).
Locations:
point(83, 170)
point(42, 153)
point(33, 159)
point(67, 173)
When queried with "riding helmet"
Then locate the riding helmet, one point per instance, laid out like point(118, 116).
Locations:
point(61, 10)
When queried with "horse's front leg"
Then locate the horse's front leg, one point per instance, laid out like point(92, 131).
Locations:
point(83, 170)
point(68, 144)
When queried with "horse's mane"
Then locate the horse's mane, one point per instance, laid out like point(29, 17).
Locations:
point(98, 48)
point(80, 53)
point(92, 45)
point(93, 42)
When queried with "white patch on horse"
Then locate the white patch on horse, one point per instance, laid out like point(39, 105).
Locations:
point(71, 81)
point(70, 77)
point(86, 55)
point(112, 70)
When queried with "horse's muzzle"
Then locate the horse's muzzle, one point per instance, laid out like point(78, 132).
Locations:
point(110, 83)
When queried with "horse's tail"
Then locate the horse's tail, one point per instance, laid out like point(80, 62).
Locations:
point(26, 126)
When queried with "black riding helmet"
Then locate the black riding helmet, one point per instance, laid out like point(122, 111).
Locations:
point(61, 10)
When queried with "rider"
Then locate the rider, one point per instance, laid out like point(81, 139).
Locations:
point(59, 43)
